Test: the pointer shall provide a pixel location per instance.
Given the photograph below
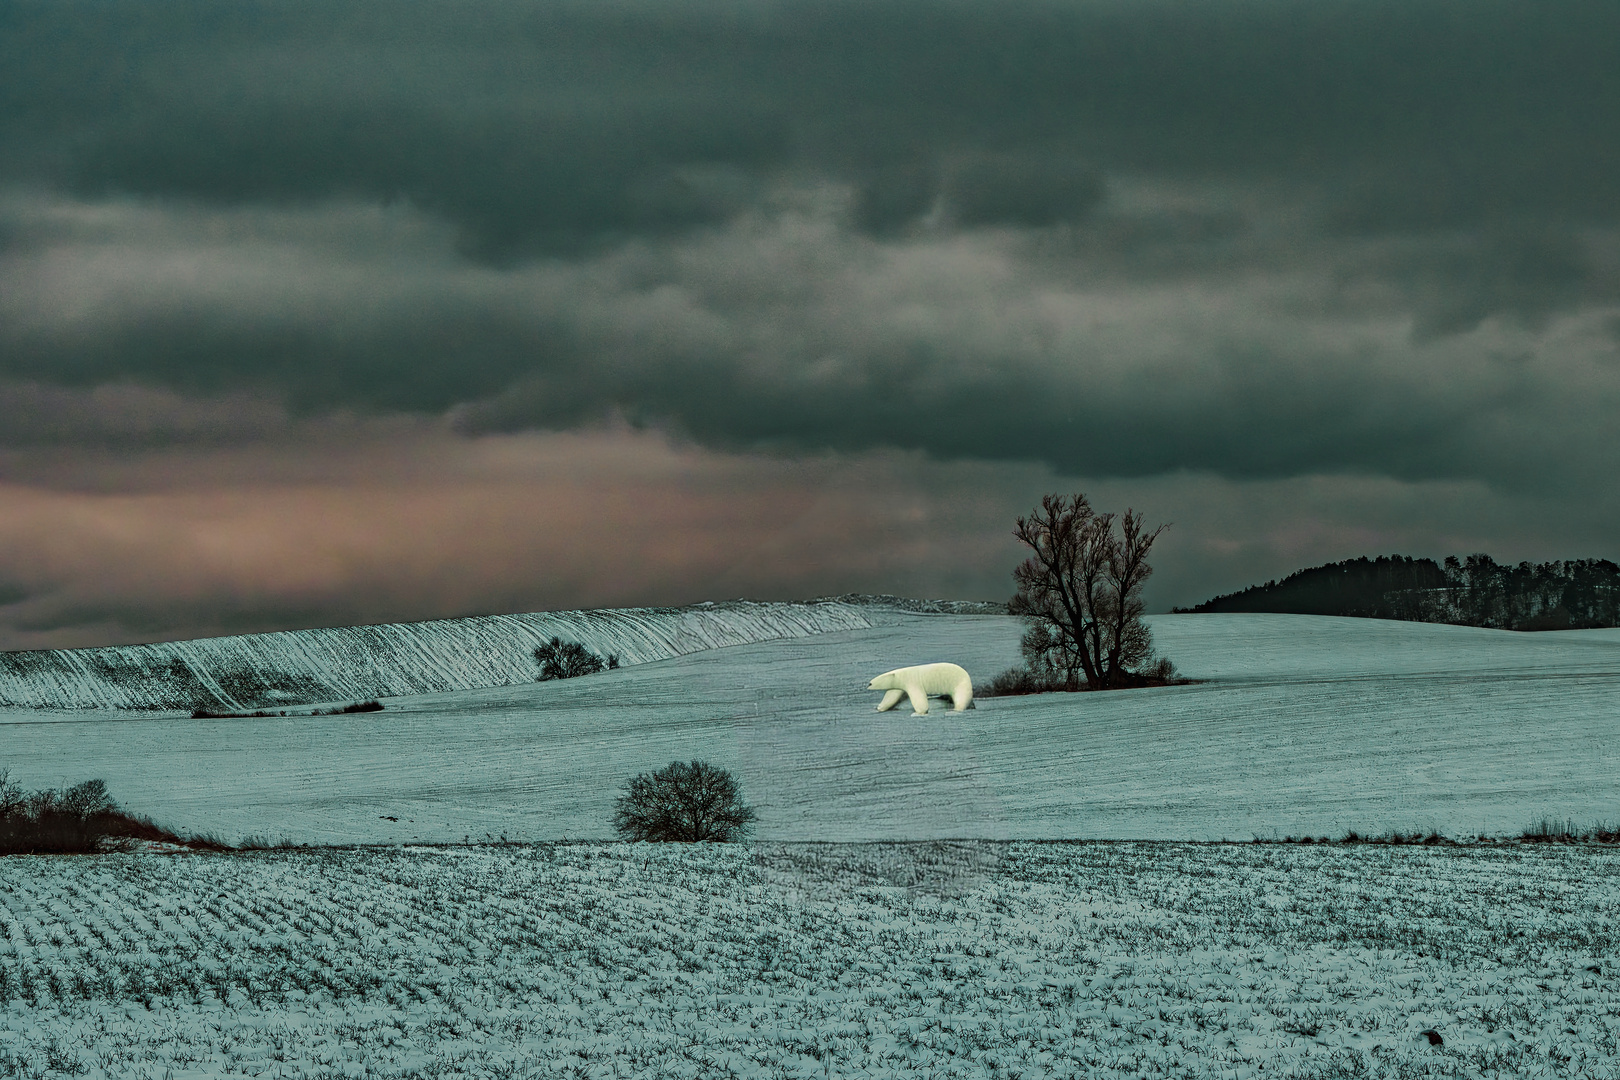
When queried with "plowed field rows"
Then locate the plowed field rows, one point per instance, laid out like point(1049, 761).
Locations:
point(968, 959)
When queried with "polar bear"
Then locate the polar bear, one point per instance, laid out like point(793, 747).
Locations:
point(920, 681)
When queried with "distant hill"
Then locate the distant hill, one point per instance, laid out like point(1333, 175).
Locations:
point(1378, 588)
point(1476, 591)
point(255, 671)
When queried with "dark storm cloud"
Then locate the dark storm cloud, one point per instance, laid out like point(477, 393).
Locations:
point(1261, 239)
point(788, 331)
point(549, 123)
point(40, 414)
point(1528, 273)
point(531, 128)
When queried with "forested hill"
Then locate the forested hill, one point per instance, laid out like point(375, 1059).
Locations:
point(1477, 591)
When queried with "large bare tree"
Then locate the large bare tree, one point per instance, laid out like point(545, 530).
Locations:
point(1080, 590)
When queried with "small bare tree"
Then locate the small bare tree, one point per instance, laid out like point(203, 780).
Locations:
point(1080, 592)
point(685, 801)
point(561, 659)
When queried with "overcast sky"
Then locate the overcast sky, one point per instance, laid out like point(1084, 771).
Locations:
point(316, 313)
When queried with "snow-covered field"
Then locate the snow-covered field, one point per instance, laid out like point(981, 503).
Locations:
point(968, 959)
point(1303, 725)
point(972, 956)
point(246, 672)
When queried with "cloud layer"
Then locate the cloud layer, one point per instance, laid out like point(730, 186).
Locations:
point(825, 253)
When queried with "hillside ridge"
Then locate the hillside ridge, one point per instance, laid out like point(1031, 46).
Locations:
point(295, 667)
point(1574, 594)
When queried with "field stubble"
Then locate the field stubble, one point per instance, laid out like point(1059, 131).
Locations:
point(940, 959)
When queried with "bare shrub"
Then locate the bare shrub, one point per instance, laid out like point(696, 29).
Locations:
point(346, 710)
point(687, 802)
point(265, 843)
point(81, 819)
point(561, 659)
point(1017, 681)
point(53, 821)
point(1553, 831)
point(341, 710)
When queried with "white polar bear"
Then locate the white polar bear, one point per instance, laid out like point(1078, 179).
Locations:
point(920, 681)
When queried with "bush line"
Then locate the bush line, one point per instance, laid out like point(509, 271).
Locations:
point(358, 707)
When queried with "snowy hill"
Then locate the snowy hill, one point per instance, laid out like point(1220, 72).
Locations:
point(252, 671)
point(1300, 725)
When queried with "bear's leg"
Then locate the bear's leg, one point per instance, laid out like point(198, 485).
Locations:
point(890, 700)
point(919, 700)
point(962, 697)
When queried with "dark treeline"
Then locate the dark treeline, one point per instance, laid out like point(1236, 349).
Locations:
point(1476, 591)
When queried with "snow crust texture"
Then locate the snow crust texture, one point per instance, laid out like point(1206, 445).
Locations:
point(969, 959)
point(389, 660)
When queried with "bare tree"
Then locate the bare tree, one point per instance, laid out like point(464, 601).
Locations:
point(561, 659)
point(688, 802)
point(1080, 592)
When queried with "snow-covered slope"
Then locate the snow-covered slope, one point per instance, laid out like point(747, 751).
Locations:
point(1301, 725)
point(1289, 648)
point(389, 660)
